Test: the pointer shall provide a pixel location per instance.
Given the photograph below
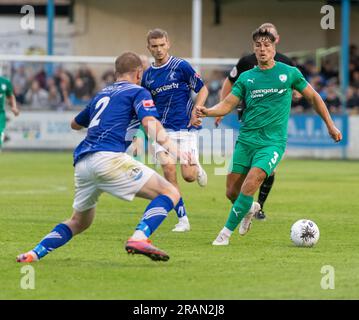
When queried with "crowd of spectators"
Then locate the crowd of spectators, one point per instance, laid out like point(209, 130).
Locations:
point(64, 90)
point(68, 89)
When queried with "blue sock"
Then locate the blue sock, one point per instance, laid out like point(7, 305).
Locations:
point(180, 209)
point(154, 214)
point(56, 238)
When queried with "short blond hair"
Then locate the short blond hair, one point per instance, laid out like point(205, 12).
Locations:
point(156, 34)
point(268, 25)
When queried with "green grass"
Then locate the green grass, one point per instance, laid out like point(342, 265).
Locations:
point(37, 190)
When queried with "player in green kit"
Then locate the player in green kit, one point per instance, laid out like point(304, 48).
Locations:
point(6, 92)
point(267, 92)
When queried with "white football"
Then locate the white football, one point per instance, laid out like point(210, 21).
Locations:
point(304, 233)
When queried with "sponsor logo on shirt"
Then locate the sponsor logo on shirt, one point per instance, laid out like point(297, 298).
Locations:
point(259, 93)
point(148, 103)
point(165, 88)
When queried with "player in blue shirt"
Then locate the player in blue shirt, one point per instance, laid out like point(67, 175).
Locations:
point(101, 164)
point(171, 81)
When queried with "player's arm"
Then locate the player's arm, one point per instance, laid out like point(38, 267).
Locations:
point(317, 102)
point(226, 89)
point(220, 109)
point(82, 120)
point(75, 125)
point(11, 99)
point(156, 132)
point(13, 105)
point(200, 101)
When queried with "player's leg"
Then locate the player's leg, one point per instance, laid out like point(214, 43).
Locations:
point(169, 171)
point(264, 190)
point(191, 170)
point(123, 177)
point(263, 161)
point(86, 196)
point(2, 128)
point(164, 197)
point(60, 235)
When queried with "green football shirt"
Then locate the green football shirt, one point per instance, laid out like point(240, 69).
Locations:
point(268, 97)
point(5, 91)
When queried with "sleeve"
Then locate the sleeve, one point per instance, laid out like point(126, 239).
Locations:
point(9, 91)
point(299, 83)
point(84, 117)
point(238, 89)
point(144, 105)
point(238, 69)
point(191, 77)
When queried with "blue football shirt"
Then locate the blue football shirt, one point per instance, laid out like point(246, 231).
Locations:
point(109, 116)
point(171, 85)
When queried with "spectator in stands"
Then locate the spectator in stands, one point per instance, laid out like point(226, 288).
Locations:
point(40, 77)
point(88, 84)
point(80, 94)
point(20, 83)
point(328, 70)
point(355, 79)
point(299, 103)
point(353, 101)
point(36, 97)
point(332, 100)
point(107, 78)
point(54, 98)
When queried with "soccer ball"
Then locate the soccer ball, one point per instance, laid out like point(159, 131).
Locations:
point(304, 233)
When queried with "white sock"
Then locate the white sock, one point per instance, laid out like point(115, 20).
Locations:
point(183, 219)
point(139, 235)
point(226, 232)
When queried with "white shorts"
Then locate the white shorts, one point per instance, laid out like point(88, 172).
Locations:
point(186, 142)
point(113, 172)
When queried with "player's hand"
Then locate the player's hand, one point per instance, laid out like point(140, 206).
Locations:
point(335, 133)
point(217, 121)
point(201, 111)
point(15, 111)
point(195, 121)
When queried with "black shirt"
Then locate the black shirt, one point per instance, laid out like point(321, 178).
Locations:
point(248, 62)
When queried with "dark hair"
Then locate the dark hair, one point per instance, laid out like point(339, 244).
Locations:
point(127, 62)
point(156, 34)
point(263, 33)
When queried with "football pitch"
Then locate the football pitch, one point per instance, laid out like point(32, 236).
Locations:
point(37, 191)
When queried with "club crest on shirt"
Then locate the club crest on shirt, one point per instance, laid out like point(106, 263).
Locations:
point(283, 77)
point(172, 76)
point(3, 87)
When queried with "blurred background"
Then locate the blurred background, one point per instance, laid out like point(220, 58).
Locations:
point(58, 53)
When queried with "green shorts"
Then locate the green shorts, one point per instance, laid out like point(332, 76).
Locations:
point(246, 157)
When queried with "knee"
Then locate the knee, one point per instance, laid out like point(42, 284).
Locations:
point(189, 177)
point(171, 192)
